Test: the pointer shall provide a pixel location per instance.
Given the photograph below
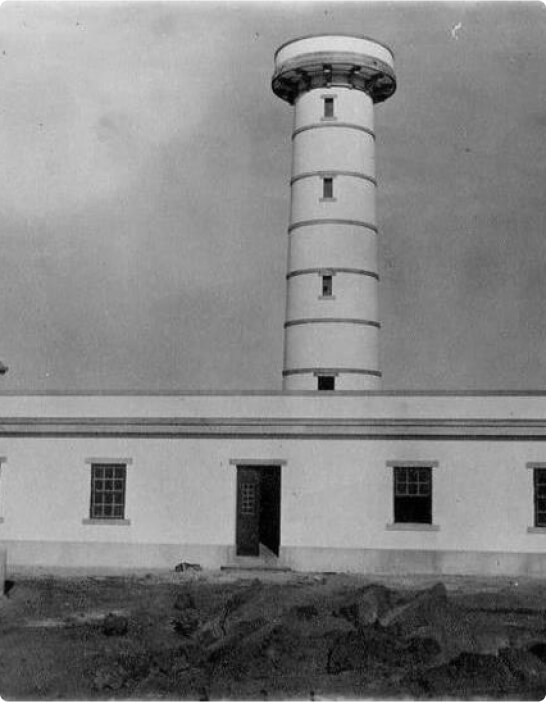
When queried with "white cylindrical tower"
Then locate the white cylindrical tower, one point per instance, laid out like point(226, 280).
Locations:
point(332, 326)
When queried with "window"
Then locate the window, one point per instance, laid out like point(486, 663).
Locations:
point(2, 460)
point(326, 382)
point(412, 494)
point(248, 498)
point(108, 491)
point(328, 188)
point(539, 481)
point(328, 107)
point(327, 286)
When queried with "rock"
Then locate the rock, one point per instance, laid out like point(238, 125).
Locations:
point(349, 612)
point(467, 675)
point(373, 603)
point(183, 601)
point(184, 567)
point(363, 650)
point(211, 632)
point(370, 649)
point(305, 612)
point(367, 606)
point(108, 678)
point(430, 613)
point(422, 648)
point(420, 609)
point(115, 625)
point(186, 623)
point(242, 597)
point(523, 664)
point(538, 649)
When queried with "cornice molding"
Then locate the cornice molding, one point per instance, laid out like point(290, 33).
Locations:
point(278, 428)
point(151, 394)
point(333, 69)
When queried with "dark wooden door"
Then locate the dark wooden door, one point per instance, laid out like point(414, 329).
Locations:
point(270, 507)
point(248, 511)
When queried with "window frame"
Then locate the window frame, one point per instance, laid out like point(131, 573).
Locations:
point(327, 187)
point(328, 107)
point(327, 280)
point(536, 467)
point(323, 377)
point(105, 464)
point(397, 466)
point(3, 459)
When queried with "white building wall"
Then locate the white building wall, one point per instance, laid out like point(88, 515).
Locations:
point(337, 485)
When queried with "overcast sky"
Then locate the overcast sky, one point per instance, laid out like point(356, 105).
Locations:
point(144, 193)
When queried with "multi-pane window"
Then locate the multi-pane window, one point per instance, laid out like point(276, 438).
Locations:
point(248, 498)
point(326, 285)
point(326, 382)
point(108, 491)
point(413, 494)
point(328, 188)
point(539, 480)
point(328, 107)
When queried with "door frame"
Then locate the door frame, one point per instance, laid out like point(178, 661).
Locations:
point(256, 463)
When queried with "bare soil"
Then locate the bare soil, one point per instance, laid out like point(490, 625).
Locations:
point(256, 635)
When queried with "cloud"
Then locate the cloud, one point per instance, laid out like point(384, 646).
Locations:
point(86, 100)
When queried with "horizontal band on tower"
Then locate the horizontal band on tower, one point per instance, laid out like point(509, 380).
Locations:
point(332, 269)
point(350, 222)
point(342, 125)
point(331, 320)
point(333, 172)
point(325, 371)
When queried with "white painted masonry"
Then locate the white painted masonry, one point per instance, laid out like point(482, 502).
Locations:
point(337, 493)
point(337, 336)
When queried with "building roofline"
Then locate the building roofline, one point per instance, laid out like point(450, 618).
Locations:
point(335, 34)
point(272, 393)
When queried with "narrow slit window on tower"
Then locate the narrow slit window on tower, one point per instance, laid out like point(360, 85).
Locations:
point(328, 107)
point(326, 382)
point(328, 188)
point(327, 285)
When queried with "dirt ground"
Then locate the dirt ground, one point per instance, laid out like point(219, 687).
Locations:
point(258, 635)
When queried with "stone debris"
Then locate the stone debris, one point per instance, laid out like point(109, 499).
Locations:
point(184, 600)
point(115, 625)
point(109, 678)
point(305, 612)
point(186, 622)
point(184, 567)
point(253, 639)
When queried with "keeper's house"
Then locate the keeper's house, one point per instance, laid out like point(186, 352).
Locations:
point(371, 482)
point(329, 474)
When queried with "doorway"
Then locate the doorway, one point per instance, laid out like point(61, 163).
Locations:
point(258, 509)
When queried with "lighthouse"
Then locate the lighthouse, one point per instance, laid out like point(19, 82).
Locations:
point(331, 330)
